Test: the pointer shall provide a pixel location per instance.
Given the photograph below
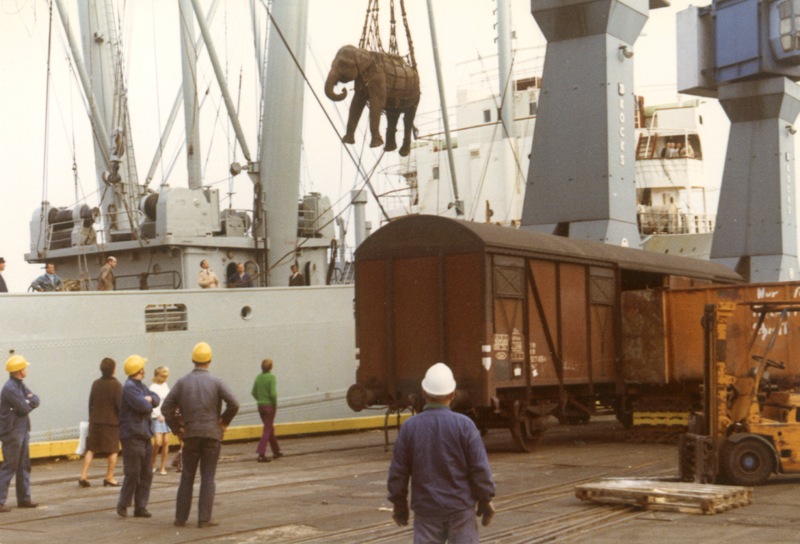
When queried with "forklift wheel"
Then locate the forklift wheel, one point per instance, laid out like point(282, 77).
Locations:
point(748, 462)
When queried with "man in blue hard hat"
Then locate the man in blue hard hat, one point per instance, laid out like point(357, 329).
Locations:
point(442, 453)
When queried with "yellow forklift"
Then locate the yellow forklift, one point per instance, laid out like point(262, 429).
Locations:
point(748, 428)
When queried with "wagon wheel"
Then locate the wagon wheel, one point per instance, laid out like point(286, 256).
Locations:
point(747, 463)
point(526, 429)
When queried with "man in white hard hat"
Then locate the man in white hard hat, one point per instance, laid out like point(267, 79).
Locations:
point(192, 410)
point(441, 452)
point(16, 402)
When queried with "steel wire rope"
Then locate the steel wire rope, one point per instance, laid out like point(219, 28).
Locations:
point(69, 133)
point(302, 243)
point(180, 145)
point(157, 85)
point(230, 147)
point(46, 150)
point(360, 166)
point(515, 152)
point(327, 115)
point(120, 120)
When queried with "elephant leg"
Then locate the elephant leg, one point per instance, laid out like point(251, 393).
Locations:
point(391, 130)
point(376, 104)
point(356, 108)
point(408, 127)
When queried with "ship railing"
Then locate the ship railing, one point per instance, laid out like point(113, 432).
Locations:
point(145, 281)
point(59, 233)
point(343, 272)
point(121, 226)
point(675, 223)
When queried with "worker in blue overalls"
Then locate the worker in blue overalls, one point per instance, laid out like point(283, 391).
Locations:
point(16, 402)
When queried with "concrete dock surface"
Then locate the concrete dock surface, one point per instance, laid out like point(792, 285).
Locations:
point(332, 489)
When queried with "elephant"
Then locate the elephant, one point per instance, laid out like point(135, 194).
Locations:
point(384, 81)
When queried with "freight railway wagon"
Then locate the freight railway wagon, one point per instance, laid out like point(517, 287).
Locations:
point(531, 324)
point(663, 346)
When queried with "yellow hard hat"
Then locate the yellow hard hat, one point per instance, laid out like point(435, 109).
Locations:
point(201, 353)
point(134, 364)
point(16, 363)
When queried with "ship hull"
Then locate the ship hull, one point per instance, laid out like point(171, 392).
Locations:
point(307, 331)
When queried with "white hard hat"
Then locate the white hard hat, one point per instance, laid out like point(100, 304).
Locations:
point(439, 381)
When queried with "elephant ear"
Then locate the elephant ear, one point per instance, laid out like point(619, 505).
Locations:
point(366, 62)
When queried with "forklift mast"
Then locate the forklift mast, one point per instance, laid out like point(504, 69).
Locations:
point(745, 432)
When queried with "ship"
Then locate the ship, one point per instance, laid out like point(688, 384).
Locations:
point(160, 232)
point(676, 196)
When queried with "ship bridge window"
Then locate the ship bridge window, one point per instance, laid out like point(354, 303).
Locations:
point(487, 116)
point(532, 108)
point(165, 317)
point(789, 25)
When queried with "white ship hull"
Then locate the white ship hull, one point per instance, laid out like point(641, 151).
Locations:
point(307, 331)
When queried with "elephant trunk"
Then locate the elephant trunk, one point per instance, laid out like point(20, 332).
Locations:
point(330, 83)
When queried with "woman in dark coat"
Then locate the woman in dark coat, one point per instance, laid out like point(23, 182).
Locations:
point(104, 402)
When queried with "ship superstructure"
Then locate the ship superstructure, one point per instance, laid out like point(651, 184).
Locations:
point(676, 197)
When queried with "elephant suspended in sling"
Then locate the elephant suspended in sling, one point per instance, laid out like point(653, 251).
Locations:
point(385, 82)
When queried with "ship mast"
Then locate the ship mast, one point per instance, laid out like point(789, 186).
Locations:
point(282, 134)
point(457, 202)
point(104, 87)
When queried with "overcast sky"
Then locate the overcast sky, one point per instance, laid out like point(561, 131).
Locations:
point(465, 31)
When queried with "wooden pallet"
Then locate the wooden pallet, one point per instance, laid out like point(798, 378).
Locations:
point(662, 495)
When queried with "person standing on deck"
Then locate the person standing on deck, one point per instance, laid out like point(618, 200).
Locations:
point(3, 288)
point(296, 279)
point(240, 278)
point(207, 278)
point(49, 281)
point(105, 280)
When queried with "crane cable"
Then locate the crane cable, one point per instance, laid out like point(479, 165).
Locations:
point(46, 131)
point(371, 36)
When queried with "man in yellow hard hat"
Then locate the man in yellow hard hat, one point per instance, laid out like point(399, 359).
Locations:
point(16, 402)
point(135, 433)
point(198, 396)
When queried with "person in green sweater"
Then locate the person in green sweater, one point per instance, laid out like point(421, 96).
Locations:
point(265, 393)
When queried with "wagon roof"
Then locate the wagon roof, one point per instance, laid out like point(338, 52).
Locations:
point(420, 235)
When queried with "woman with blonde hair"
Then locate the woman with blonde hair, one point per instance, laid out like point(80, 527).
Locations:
point(160, 429)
